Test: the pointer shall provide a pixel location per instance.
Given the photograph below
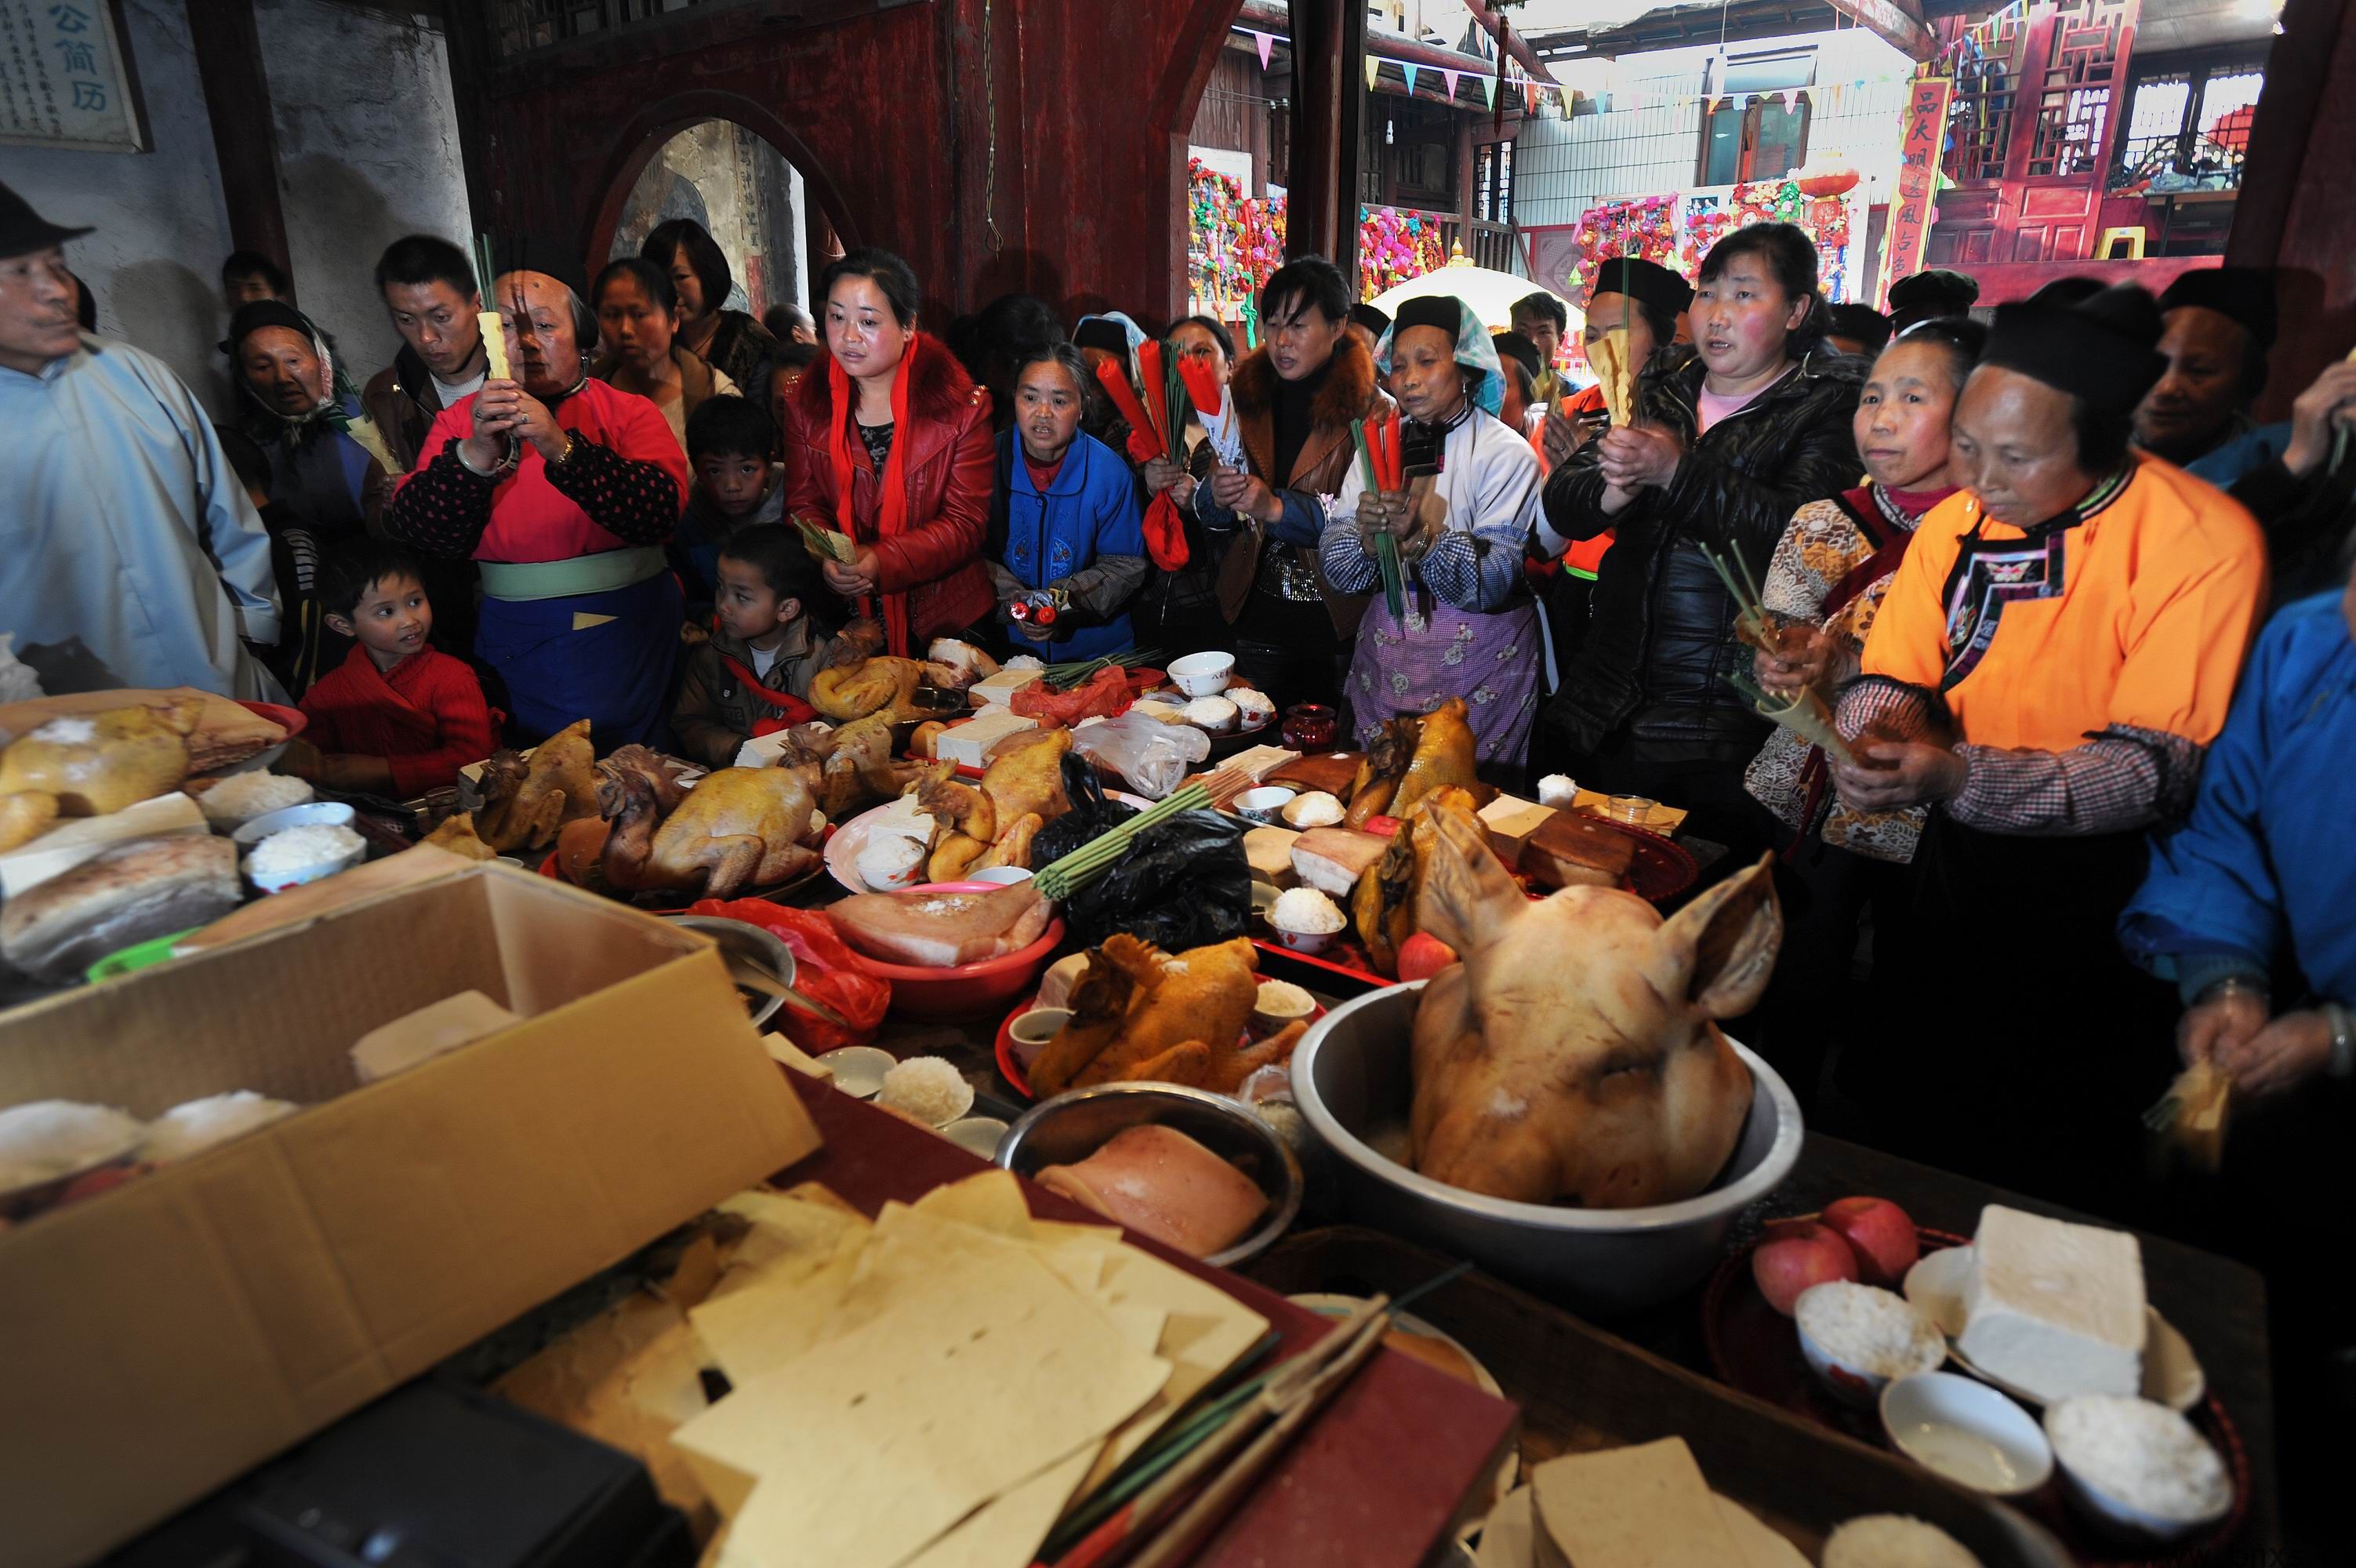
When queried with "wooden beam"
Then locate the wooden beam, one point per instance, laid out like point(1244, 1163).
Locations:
point(1329, 96)
point(1511, 41)
point(245, 138)
point(1897, 22)
point(467, 45)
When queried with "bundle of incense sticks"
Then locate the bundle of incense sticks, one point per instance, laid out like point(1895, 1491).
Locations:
point(495, 332)
point(1151, 436)
point(1379, 470)
point(1214, 408)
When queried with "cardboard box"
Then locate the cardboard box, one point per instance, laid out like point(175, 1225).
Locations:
point(161, 1339)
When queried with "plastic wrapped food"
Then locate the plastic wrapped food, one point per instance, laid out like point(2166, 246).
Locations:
point(1154, 758)
point(1183, 884)
point(824, 974)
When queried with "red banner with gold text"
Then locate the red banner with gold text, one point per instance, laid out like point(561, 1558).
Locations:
point(1918, 180)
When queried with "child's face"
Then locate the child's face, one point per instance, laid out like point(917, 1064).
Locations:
point(746, 607)
point(392, 620)
point(735, 480)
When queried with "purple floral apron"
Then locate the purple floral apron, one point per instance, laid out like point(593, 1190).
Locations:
point(1491, 660)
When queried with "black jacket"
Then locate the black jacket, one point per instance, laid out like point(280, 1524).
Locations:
point(1661, 635)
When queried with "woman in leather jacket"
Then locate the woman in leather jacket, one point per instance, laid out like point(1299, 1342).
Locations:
point(1731, 438)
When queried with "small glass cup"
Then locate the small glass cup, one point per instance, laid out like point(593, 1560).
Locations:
point(1310, 726)
point(1633, 809)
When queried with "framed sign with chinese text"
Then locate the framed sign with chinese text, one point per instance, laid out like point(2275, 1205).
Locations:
point(65, 78)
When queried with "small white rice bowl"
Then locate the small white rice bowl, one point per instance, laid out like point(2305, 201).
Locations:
point(890, 860)
point(1254, 708)
point(201, 1124)
point(1307, 911)
point(2139, 1466)
point(47, 1139)
point(1858, 1338)
point(1215, 714)
point(242, 797)
point(303, 854)
point(927, 1088)
point(1894, 1541)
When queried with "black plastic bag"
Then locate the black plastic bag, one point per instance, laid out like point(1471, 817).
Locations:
point(1185, 882)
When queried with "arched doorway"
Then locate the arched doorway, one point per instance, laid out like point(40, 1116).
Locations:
point(744, 192)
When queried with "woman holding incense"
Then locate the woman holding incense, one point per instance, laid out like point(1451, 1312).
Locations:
point(1821, 589)
point(2046, 672)
point(1179, 609)
point(1469, 629)
point(1064, 521)
point(637, 320)
point(563, 489)
point(887, 443)
point(1729, 437)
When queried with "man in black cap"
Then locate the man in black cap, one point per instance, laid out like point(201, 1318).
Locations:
point(2047, 669)
point(1927, 295)
point(134, 558)
point(1858, 329)
point(2221, 324)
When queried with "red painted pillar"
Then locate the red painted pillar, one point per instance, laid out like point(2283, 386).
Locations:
point(1329, 97)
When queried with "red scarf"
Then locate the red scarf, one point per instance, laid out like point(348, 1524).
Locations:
point(792, 710)
point(891, 518)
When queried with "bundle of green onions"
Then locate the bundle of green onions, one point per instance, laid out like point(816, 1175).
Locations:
point(1099, 854)
point(1064, 677)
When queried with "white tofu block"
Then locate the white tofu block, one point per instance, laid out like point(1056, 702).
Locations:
point(77, 839)
point(967, 745)
point(457, 1020)
point(1509, 822)
point(1269, 851)
point(762, 750)
point(999, 689)
point(2055, 1309)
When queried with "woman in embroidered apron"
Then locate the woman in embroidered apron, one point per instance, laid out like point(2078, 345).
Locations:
point(1823, 585)
point(2047, 667)
point(1472, 628)
point(887, 442)
point(563, 489)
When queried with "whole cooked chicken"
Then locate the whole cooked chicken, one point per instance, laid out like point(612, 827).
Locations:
point(95, 764)
point(525, 801)
point(1572, 1056)
point(739, 828)
point(881, 685)
point(1017, 793)
point(1137, 1010)
point(851, 766)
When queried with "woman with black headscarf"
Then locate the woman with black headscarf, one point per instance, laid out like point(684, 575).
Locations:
point(327, 465)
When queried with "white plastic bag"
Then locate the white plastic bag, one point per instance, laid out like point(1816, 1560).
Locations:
point(19, 683)
point(1152, 757)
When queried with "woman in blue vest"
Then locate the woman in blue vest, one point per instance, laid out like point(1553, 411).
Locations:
point(1066, 546)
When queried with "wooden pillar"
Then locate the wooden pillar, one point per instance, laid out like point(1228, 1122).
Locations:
point(1329, 97)
point(245, 138)
point(1468, 201)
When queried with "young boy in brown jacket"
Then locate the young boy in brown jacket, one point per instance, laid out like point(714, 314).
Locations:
point(752, 677)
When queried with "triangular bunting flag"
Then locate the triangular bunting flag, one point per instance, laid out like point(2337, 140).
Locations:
point(1374, 69)
point(1266, 42)
point(1529, 98)
point(1452, 77)
point(1409, 67)
point(1790, 100)
point(1489, 90)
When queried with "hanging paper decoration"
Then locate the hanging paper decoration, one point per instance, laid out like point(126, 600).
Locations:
point(1409, 66)
point(1451, 78)
point(1374, 69)
point(1233, 243)
point(1266, 41)
point(1394, 246)
point(1489, 91)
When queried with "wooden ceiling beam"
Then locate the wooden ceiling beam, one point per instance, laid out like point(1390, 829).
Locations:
point(1897, 22)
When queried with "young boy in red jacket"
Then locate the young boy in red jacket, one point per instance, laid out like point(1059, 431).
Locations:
point(398, 717)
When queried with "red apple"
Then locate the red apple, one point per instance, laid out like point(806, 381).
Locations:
point(1881, 1236)
point(1420, 957)
point(1806, 1255)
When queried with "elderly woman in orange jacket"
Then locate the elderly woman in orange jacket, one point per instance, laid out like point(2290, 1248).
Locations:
point(887, 442)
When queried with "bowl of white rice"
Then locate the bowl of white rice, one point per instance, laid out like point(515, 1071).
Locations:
point(242, 797)
point(307, 854)
point(1305, 919)
point(2138, 1469)
point(1858, 1340)
point(49, 1145)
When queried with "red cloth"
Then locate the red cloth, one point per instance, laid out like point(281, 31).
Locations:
point(791, 710)
point(425, 716)
point(1042, 475)
point(824, 971)
point(950, 465)
point(530, 518)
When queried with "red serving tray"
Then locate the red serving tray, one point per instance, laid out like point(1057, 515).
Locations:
point(1379, 1480)
point(1009, 1065)
point(1757, 1350)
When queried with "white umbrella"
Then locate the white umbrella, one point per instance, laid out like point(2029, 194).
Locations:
point(1488, 293)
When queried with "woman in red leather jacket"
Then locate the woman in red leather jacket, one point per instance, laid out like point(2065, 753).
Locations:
point(887, 442)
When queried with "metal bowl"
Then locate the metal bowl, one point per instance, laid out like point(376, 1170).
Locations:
point(1073, 1125)
point(1352, 1077)
point(744, 943)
